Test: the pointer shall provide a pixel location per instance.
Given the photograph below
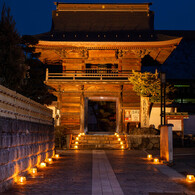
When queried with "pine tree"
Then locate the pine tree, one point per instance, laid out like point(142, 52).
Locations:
point(12, 66)
point(35, 87)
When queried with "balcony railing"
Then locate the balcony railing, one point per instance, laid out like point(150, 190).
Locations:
point(89, 75)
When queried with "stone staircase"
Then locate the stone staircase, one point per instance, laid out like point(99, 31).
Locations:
point(82, 141)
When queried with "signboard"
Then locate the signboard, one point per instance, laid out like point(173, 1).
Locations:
point(132, 115)
point(177, 124)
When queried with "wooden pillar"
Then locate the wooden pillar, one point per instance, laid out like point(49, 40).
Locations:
point(120, 110)
point(82, 110)
point(86, 115)
point(59, 102)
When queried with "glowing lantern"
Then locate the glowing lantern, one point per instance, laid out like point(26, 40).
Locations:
point(122, 147)
point(43, 165)
point(190, 178)
point(21, 180)
point(77, 138)
point(79, 135)
point(117, 135)
point(156, 160)
point(57, 155)
point(149, 156)
point(119, 139)
point(82, 133)
point(49, 160)
point(76, 147)
point(33, 171)
point(121, 143)
point(76, 142)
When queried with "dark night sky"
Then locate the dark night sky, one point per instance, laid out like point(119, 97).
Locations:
point(34, 16)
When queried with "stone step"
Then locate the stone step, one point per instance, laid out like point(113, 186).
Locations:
point(90, 137)
point(98, 146)
point(98, 142)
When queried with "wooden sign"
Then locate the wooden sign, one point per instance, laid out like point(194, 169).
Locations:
point(177, 124)
point(132, 115)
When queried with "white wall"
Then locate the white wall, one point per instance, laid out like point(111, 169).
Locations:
point(155, 116)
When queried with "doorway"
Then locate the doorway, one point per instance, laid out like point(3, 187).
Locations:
point(101, 114)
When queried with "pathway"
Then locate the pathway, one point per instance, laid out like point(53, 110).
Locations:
point(100, 172)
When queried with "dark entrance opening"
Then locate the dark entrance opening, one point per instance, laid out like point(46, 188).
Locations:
point(101, 116)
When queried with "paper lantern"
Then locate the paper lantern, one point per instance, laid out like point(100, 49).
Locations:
point(190, 178)
point(43, 165)
point(21, 180)
point(156, 160)
point(149, 156)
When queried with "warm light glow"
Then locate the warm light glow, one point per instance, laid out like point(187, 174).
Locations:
point(77, 138)
point(33, 171)
point(149, 156)
point(76, 142)
point(57, 155)
point(190, 178)
point(21, 180)
point(79, 135)
point(117, 135)
point(82, 133)
point(119, 139)
point(156, 160)
point(42, 165)
point(49, 160)
point(76, 147)
point(121, 143)
point(122, 147)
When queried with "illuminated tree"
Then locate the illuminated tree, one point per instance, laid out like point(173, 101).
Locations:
point(148, 84)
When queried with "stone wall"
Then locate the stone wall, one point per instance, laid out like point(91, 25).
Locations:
point(143, 141)
point(26, 135)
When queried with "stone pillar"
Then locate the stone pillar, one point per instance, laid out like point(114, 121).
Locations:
point(144, 111)
point(166, 143)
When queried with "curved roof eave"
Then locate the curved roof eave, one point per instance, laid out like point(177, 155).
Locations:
point(85, 44)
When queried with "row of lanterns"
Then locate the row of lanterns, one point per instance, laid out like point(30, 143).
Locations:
point(77, 139)
point(33, 171)
point(189, 178)
point(119, 139)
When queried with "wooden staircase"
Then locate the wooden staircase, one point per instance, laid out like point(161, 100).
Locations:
point(82, 141)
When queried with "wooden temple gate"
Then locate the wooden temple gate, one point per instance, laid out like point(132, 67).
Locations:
point(96, 58)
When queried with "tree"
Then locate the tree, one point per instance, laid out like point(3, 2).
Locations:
point(20, 69)
point(148, 84)
point(12, 66)
point(35, 87)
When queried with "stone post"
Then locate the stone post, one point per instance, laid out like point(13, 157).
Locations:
point(166, 143)
point(144, 111)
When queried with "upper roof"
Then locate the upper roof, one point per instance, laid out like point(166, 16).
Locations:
point(88, 18)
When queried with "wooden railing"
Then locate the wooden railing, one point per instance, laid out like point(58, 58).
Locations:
point(90, 75)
